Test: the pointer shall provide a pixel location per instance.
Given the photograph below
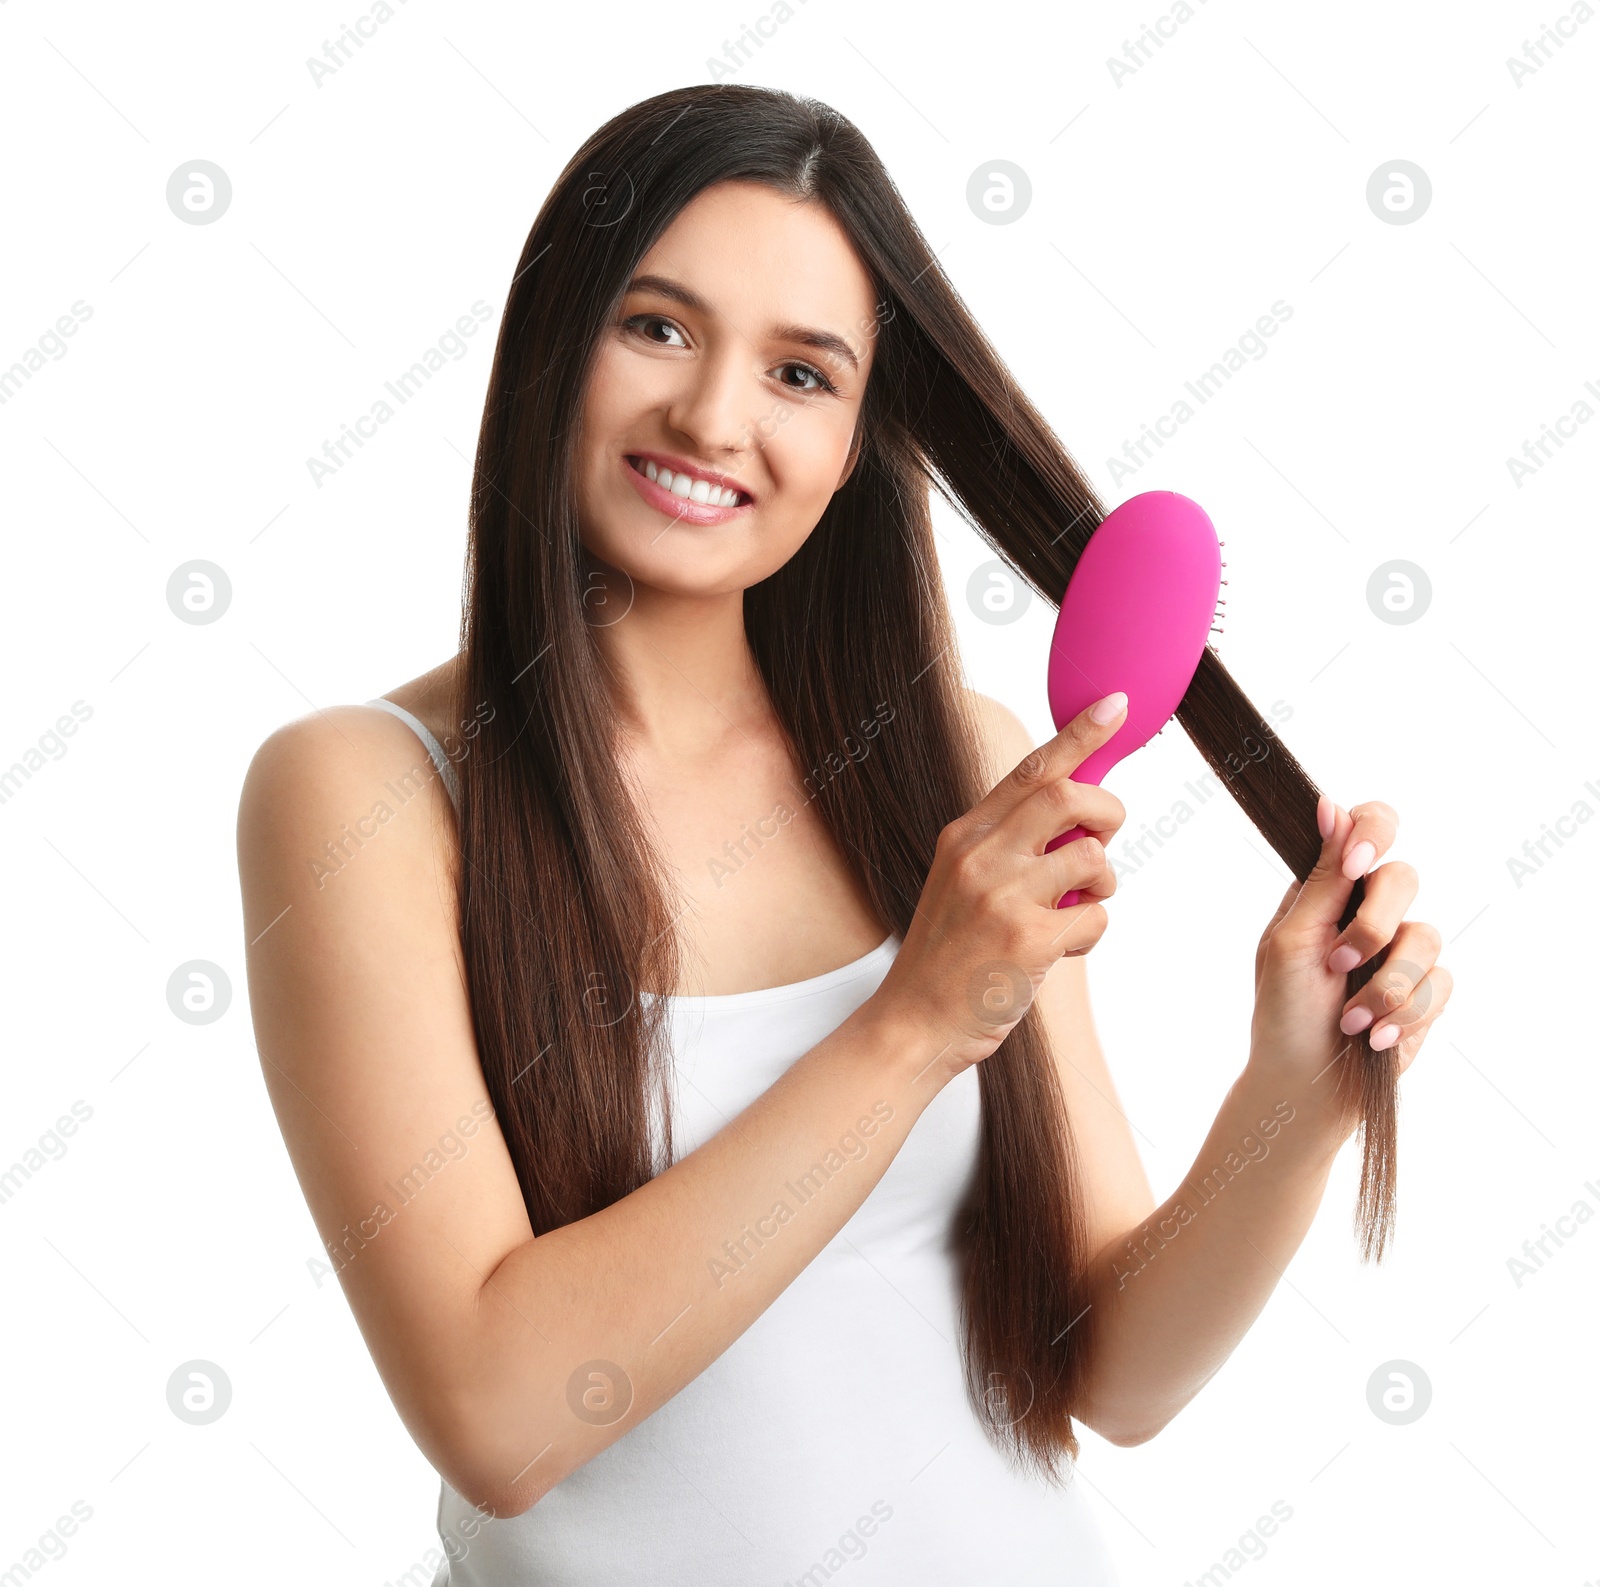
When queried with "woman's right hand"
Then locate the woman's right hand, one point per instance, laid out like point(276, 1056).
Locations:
point(986, 929)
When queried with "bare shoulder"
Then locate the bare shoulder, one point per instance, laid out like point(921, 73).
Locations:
point(344, 826)
point(1006, 741)
point(350, 763)
point(325, 784)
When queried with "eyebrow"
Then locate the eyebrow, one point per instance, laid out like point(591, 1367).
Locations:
point(807, 336)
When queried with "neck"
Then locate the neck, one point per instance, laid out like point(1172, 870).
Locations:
point(683, 677)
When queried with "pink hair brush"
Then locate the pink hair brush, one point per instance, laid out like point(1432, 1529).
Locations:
point(1138, 609)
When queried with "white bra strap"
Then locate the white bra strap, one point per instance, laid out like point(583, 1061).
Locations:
point(446, 769)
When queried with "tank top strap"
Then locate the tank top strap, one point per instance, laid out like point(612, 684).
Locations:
point(441, 761)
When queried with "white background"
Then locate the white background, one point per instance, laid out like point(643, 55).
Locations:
point(1168, 213)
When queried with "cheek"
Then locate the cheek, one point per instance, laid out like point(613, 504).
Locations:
point(805, 460)
point(608, 397)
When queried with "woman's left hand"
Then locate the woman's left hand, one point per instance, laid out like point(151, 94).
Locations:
point(1303, 1017)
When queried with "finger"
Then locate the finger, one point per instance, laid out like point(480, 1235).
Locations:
point(1100, 814)
point(1440, 984)
point(1087, 925)
point(1056, 808)
point(1056, 758)
point(1396, 985)
point(1390, 892)
point(1413, 1017)
point(1080, 864)
point(1326, 890)
point(1372, 836)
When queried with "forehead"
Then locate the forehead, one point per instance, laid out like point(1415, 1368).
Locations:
point(764, 259)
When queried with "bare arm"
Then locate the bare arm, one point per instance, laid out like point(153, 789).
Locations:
point(1180, 1289)
point(1177, 1285)
point(485, 1336)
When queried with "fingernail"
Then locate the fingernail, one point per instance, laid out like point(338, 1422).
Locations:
point(1344, 958)
point(1359, 861)
point(1355, 1021)
point(1108, 709)
point(1325, 816)
point(1385, 1036)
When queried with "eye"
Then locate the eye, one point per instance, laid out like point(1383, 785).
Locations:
point(824, 383)
point(635, 322)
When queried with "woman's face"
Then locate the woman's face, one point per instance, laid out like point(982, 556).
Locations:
point(739, 354)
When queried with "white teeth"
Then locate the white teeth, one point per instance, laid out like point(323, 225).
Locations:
point(682, 485)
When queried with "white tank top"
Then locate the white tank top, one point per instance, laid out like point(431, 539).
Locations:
point(834, 1435)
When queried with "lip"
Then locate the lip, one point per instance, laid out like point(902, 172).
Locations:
point(681, 507)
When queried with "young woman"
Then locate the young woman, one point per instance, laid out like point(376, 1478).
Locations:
point(694, 1082)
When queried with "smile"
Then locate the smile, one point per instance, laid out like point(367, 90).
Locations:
point(683, 494)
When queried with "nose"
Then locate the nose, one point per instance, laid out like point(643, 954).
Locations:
point(714, 407)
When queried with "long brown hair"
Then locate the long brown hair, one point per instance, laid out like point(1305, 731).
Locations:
point(565, 910)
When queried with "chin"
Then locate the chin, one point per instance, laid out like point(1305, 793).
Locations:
point(664, 563)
